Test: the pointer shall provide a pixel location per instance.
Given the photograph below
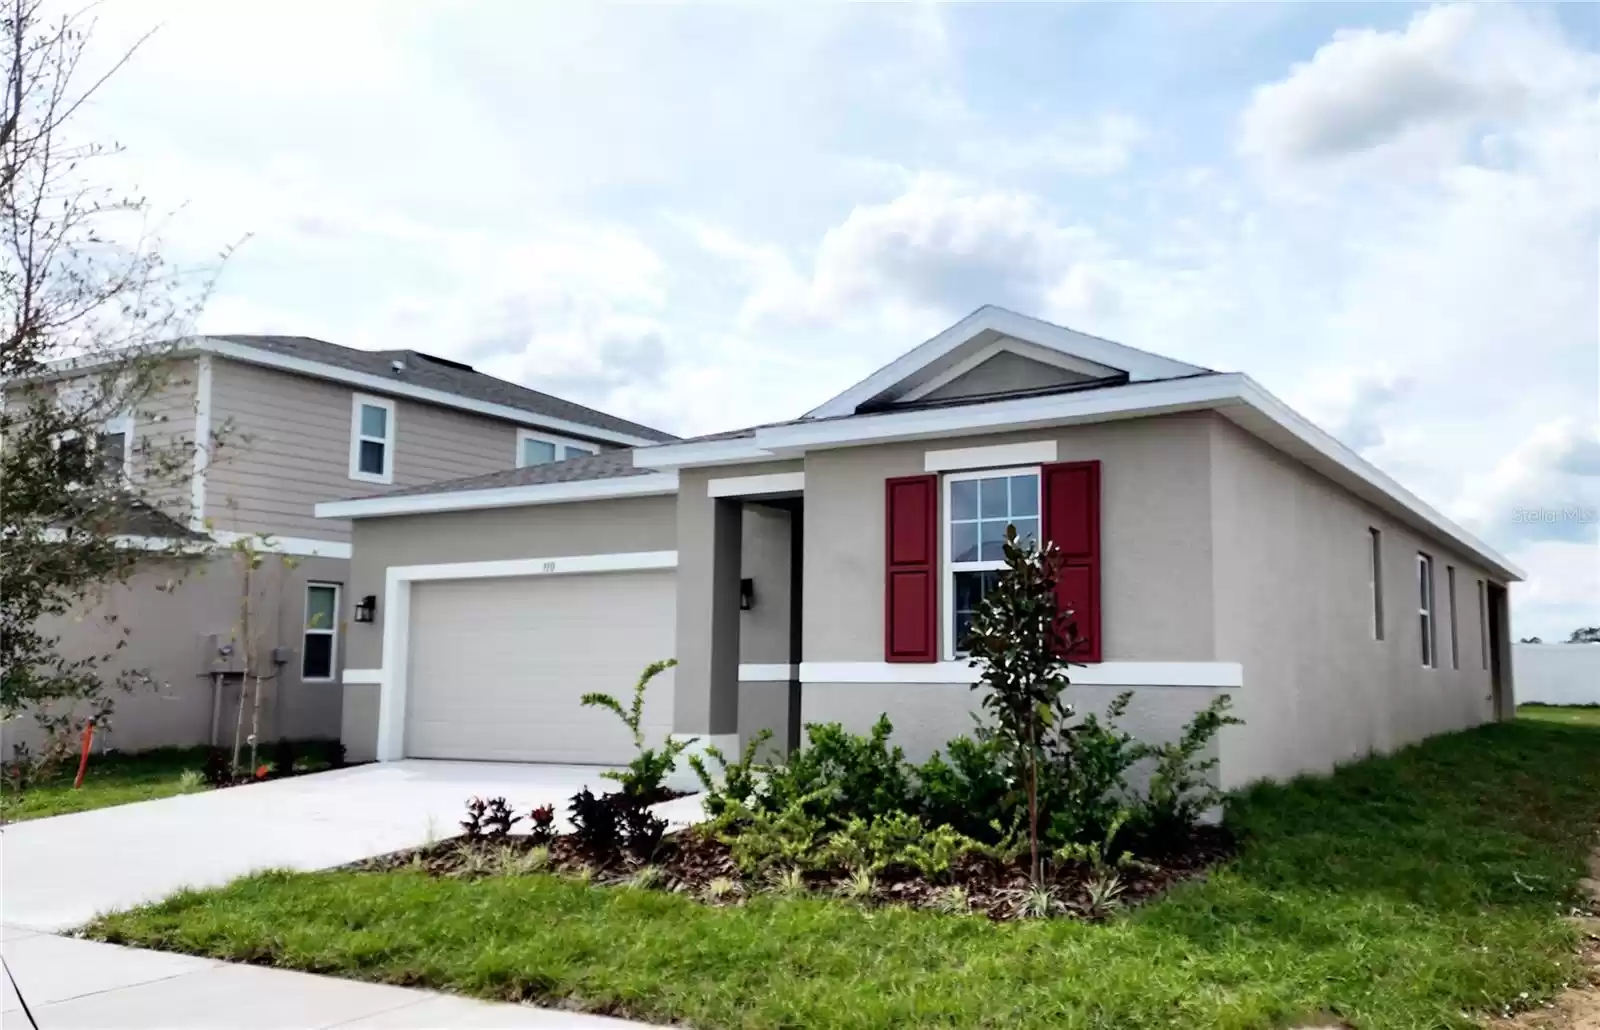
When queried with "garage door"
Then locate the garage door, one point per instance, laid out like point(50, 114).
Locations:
point(498, 665)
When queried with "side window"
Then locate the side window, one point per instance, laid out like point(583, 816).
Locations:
point(1425, 610)
point(1375, 578)
point(372, 432)
point(534, 448)
point(320, 640)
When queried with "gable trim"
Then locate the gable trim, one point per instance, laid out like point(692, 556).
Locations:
point(654, 485)
point(1019, 348)
point(1140, 365)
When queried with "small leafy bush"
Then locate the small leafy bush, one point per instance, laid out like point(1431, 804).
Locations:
point(843, 774)
point(1083, 780)
point(642, 829)
point(1181, 787)
point(595, 822)
point(1101, 856)
point(894, 841)
point(489, 820)
point(281, 756)
point(965, 790)
point(217, 767)
point(735, 782)
point(542, 824)
point(765, 844)
point(643, 778)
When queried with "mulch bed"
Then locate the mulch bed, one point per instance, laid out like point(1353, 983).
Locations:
point(692, 862)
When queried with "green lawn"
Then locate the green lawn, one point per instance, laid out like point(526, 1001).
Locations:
point(1572, 715)
point(111, 780)
point(1403, 892)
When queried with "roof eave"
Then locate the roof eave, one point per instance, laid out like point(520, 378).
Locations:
point(651, 485)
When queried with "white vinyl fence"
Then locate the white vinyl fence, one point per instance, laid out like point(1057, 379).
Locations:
point(1556, 674)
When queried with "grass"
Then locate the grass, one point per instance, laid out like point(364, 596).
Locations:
point(113, 779)
point(1567, 715)
point(118, 779)
point(1408, 892)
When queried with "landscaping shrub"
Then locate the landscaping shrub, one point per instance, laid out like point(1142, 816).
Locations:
point(765, 843)
point(1083, 780)
point(1181, 785)
point(736, 781)
point(281, 757)
point(217, 767)
point(966, 787)
point(542, 824)
point(843, 774)
point(644, 778)
point(595, 822)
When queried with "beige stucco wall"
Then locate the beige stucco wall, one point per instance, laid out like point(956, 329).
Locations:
point(1155, 537)
point(167, 614)
point(287, 448)
point(543, 531)
point(1293, 604)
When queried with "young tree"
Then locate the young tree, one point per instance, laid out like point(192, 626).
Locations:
point(1585, 635)
point(1020, 640)
point(87, 312)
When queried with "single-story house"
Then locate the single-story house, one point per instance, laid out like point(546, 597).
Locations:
point(822, 569)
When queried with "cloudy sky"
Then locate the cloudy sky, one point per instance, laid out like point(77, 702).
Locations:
point(708, 217)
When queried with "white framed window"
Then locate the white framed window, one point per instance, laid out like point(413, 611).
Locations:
point(1425, 610)
point(319, 644)
point(1375, 579)
point(1483, 624)
point(113, 445)
point(371, 438)
point(978, 506)
point(535, 448)
point(1450, 596)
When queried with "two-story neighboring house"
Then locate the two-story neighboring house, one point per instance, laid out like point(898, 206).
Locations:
point(278, 424)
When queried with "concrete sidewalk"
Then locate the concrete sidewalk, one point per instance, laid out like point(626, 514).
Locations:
point(77, 984)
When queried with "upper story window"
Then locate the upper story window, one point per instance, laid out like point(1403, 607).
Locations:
point(1425, 610)
point(978, 506)
point(539, 448)
point(372, 439)
point(113, 446)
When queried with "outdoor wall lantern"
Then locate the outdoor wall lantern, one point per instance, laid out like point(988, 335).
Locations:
point(367, 608)
point(747, 594)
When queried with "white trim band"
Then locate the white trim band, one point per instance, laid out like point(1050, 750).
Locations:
point(303, 547)
point(1115, 674)
point(757, 486)
point(397, 618)
point(758, 673)
point(650, 485)
point(374, 676)
point(1034, 452)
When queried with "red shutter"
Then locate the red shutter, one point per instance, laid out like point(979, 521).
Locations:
point(1072, 519)
point(910, 584)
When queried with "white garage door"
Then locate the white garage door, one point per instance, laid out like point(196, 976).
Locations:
point(498, 665)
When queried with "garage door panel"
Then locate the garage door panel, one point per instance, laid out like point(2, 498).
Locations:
point(498, 667)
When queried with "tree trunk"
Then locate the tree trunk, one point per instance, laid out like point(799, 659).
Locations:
point(1034, 871)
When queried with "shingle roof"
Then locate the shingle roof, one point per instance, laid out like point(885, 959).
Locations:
point(605, 465)
point(439, 374)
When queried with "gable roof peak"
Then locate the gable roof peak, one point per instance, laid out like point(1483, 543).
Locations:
point(987, 327)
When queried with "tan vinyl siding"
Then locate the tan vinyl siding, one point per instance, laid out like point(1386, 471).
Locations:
point(288, 449)
point(165, 424)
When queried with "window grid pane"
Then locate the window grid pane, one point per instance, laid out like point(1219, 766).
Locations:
point(371, 460)
point(538, 452)
point(374, 421)
point(320, 603)
point(316, 662)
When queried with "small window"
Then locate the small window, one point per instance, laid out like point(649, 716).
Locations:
point(1375, 580)
point(1425, 609)
point(372, 439)
point(1483, 624)
point(113, 447)
point(540, 448)
point(978, 507)
point(319, 646)
point(1450, 596)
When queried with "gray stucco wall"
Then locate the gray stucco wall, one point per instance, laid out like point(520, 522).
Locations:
point(1294, 605)
point(169, 611)
point(1155, 537)
point(542, 531)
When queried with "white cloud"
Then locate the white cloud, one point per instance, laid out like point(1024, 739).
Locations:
point(1451, 68)
point(943, 246)
point(1102, 146)
point(1355, 404)
point(1547, 487)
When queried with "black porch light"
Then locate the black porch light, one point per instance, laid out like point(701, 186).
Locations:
point(367, 608)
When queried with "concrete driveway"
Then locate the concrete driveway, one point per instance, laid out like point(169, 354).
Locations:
point(60, 872)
